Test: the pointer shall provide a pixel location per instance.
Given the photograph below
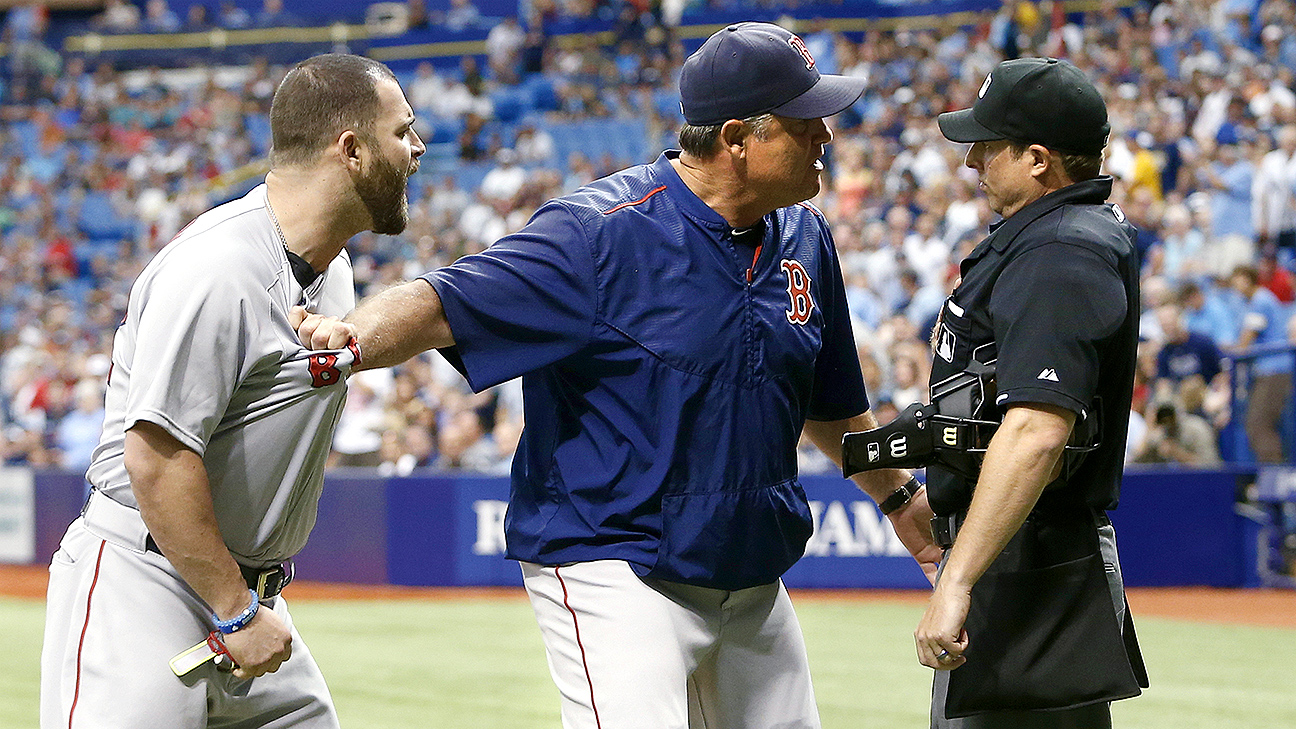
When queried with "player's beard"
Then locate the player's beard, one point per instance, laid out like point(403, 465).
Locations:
point(383, 193)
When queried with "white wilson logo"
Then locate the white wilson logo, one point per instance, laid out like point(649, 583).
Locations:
point(899, 446)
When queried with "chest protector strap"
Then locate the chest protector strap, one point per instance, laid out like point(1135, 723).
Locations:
point(953, 431)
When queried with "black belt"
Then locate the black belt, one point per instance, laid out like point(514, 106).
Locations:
point(945, 528)
point(266, 581)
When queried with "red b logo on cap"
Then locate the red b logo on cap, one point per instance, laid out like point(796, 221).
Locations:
point(800, 47)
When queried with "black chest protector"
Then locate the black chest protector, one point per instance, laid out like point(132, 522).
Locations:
point(954, 431)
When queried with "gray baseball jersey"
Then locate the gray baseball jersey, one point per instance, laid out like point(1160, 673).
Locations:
point(207, 353)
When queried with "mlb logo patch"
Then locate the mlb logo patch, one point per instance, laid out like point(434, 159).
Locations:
point(945, 341)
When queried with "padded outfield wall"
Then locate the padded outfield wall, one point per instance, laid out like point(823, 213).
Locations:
point(1174, 527)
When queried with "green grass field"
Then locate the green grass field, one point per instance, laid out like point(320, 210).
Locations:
point(479, 663)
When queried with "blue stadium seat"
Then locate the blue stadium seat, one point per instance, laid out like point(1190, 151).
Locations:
point(43, 166)
point(444, 130)
point(565, 139)
point(468, 175)
point(84, 254)
point(99, 221)
point(510, 104)
point(63, 205)
point(440, 154)
point(541, 90)
point(1168, 57)
point(667, 103)
point(628, 140)
point(87, 148)
point(258, 127)
point(75, 291)
point(27, 137)
point(621, 138)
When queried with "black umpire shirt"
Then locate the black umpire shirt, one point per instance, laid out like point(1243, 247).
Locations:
point(1054, 293)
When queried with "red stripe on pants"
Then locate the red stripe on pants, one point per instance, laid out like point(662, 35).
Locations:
point(584, 663)
point(84, 626)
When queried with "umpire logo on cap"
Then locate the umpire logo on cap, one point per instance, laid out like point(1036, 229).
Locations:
point(1042, 101)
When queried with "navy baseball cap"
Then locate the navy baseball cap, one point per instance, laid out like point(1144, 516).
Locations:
point(1037, 101)
point(750, 69)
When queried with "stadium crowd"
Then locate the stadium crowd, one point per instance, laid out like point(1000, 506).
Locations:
point(100, 168)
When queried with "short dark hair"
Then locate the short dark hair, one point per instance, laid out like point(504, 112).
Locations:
point(1248, 272)
point(320, 98)
point(701, 141)
point(1078, 167)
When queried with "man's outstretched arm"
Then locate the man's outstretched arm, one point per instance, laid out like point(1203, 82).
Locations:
point(912, 521)
point(390, 327)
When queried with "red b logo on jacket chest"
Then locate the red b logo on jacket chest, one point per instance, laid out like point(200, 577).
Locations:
point(798, 287)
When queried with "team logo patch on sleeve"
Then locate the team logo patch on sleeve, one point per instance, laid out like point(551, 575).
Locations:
point(325, 369)
point(798, 287)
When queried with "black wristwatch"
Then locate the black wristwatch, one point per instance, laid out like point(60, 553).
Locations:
point(900, 496)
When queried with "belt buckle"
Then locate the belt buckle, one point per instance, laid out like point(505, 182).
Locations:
point(272, 581)
point(942, 528)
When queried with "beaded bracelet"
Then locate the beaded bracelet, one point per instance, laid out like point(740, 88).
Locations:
point(240, 621)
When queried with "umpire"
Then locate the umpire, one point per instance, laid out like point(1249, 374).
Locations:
point(1028, 624)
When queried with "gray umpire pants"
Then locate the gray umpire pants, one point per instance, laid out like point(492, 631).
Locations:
point(1093, 716)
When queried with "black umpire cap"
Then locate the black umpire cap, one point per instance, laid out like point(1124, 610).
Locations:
point(1036, 101)
point(748, 69)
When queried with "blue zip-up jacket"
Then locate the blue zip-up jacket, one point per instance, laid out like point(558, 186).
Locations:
point(668, 368)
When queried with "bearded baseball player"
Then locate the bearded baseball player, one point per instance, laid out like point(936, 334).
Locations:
point(676, 326)
point(209, 470)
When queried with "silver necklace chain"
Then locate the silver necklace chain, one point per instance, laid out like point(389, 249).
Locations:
point(314, 285)
point(275, 219)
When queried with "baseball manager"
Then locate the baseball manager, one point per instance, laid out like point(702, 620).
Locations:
point(677, 326)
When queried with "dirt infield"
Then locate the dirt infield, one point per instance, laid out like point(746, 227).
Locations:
point(1201, 604)
point(1276, 608)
